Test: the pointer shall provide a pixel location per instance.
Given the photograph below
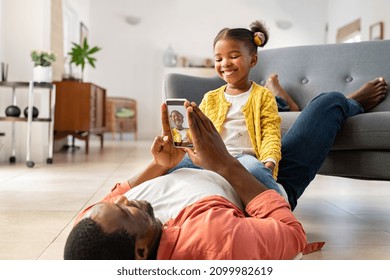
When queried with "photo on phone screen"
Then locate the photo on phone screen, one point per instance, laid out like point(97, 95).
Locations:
point(179, 123)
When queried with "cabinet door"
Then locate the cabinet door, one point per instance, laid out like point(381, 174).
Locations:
point(73, 103)
point(98, 101)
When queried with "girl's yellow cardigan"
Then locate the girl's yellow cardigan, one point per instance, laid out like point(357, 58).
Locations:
point(261, 117)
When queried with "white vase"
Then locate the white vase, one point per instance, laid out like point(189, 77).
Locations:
point(42, 74)
point(170, 57)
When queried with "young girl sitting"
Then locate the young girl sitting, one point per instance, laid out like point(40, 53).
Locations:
point(243, 112)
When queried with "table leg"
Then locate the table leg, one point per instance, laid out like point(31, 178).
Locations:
point(29, 122)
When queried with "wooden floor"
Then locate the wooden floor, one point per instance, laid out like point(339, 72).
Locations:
point(38, 205)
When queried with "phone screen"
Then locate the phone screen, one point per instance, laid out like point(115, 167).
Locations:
point(179, 123)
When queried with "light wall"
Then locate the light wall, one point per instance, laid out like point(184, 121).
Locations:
point(130, 63)
point(25, 27)
point(1, 29)
point(343, 12)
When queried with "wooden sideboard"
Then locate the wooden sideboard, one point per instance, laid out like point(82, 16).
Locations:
point(79, 111)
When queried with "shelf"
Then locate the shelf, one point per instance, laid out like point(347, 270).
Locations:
point(18, 119)
point(192, 71)
point(29, 119)
point(25, 85)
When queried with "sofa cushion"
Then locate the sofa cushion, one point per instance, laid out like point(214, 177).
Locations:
point(288, 118)
point(361, 132)
point(365, 131)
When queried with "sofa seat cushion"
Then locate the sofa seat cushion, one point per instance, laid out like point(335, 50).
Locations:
point(288, 118)
point(365, 131)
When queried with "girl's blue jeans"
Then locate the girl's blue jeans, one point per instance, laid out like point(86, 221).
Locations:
point(305, 145)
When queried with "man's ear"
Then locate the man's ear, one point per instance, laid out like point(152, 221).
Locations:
point(141, 250)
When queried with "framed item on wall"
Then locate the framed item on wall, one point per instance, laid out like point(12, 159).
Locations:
point(83, 32)
point(349, 33)
point(376, 31)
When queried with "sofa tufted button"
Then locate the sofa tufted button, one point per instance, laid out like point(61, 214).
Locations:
point(349, 79)
point(305, 81)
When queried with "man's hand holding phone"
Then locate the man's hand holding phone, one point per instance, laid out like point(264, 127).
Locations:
point(163, 151)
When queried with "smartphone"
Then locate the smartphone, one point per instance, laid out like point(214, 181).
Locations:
point(178, 122)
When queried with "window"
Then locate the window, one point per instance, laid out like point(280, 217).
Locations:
point(350, 33)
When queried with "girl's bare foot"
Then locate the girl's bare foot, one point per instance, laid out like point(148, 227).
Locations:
point(274, 86)
point(371, 93)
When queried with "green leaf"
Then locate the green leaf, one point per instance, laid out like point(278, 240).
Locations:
point(43, 58)
point(82, 54)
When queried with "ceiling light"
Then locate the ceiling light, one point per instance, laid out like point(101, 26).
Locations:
point(132, 20)
point(284, 24)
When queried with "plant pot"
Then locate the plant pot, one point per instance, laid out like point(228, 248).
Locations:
point(42, 74)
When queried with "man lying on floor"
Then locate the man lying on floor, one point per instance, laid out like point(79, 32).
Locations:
point(207, 207)
point(221, 211)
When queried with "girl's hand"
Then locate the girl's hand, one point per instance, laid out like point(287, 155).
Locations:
point(270, 165)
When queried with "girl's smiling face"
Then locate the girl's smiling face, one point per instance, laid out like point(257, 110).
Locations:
point(233, 61)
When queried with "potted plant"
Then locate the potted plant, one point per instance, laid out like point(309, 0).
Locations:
point(82, 55)
point(42, 71)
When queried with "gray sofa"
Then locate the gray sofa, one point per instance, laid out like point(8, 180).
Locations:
point(362, 148)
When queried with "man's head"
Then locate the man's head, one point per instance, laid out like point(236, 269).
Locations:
point(88, 241)
point(121, 230)
point(177, 119)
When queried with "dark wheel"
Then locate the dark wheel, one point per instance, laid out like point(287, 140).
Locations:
point(30, 164)
point(12, 160)
point(49, 161)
